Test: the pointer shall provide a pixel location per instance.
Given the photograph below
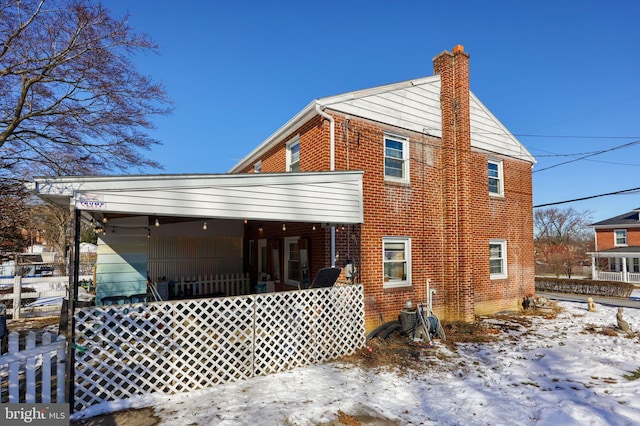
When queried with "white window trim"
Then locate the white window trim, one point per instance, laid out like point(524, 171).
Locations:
point(292, 142)
point(500, 178)
point(504, 273)
point(257, 167)
point(405, 157)
point(287, 240)
point(407, 248)
point(615, 238)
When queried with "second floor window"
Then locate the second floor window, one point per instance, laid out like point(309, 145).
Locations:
point(496, 184)
point(620, 236)
point(396, 158)
point(293, 155)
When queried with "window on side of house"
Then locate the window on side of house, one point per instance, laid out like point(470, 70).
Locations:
point(396, 261)
point(496, 180)
point(620, 237)
point(498, 259)
point(292, 260)
point(293, 155)
point(257, 167)
point(396, 158)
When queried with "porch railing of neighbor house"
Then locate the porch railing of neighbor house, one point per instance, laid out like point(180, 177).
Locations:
point(184, 345)
point(35, 373)
point(631, 277)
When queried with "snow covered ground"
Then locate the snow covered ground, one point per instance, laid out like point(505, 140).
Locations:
point(571, 370)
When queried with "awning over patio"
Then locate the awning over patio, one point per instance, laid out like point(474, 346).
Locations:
point(318, 197)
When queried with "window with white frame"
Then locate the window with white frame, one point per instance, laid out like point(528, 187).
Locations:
point(293, 155)
point(496, 180)
point(396, 158)
point(498, 259)
point(257, 167)
point(620, 237)
point(292, 260)
point(396, 261)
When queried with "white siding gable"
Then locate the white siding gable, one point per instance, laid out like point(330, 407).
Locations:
point(415, 105)
point(412, 105)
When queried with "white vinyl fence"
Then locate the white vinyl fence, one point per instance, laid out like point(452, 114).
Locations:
point(185, 345)
point(33, 374)
point(202, 286)
point(36, 296)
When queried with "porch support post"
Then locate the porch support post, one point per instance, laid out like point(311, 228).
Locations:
point(594, 269)
point(625, 277)
point(73, 295)
point(333, 246)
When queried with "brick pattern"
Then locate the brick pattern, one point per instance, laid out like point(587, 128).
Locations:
point(605, 238)
point(445, 209)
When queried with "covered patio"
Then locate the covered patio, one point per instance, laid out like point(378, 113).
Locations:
point(620, 264)
point(263, 231)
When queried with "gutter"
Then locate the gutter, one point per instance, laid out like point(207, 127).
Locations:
point(332, 144)
point(332, 137)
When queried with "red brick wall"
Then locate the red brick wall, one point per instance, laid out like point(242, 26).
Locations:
point(445, 209)
point(507, 218)
point(605, 238)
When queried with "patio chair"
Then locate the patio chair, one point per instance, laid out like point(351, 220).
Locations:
point(137, 298)
point(114, 300)
point(326, 277)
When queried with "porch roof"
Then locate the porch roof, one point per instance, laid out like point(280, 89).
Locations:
point(632, 251)
point(317, 197)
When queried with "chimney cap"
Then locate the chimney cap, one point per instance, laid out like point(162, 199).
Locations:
point(458, 49)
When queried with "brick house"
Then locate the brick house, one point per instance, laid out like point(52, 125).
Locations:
point(617, 244)
point(447, 197)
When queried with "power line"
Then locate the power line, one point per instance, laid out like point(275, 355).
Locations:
point(530, 135)
point(590, 155)
point(624, 191)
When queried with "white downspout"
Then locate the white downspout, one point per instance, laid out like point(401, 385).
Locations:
point(332, 167)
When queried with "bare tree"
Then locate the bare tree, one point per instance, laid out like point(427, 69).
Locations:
point(52, 225)
point(71, 101)
point(562, 238)
point(13, 216)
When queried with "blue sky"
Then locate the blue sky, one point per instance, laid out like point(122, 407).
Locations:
point(563, 76)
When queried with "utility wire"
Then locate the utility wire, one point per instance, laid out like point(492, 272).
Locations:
point(624, 191)
point(589, 155)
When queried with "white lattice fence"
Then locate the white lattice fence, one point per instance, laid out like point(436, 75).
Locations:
point(181, 346)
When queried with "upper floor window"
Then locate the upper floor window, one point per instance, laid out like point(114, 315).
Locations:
point(498, 259)
point(496, 180)
point(396, 158)
point(257, 167)
point(396, 262)
point(293, 155)
point(620, 237)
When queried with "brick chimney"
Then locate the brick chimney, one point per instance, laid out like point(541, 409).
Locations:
point(458, 260)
